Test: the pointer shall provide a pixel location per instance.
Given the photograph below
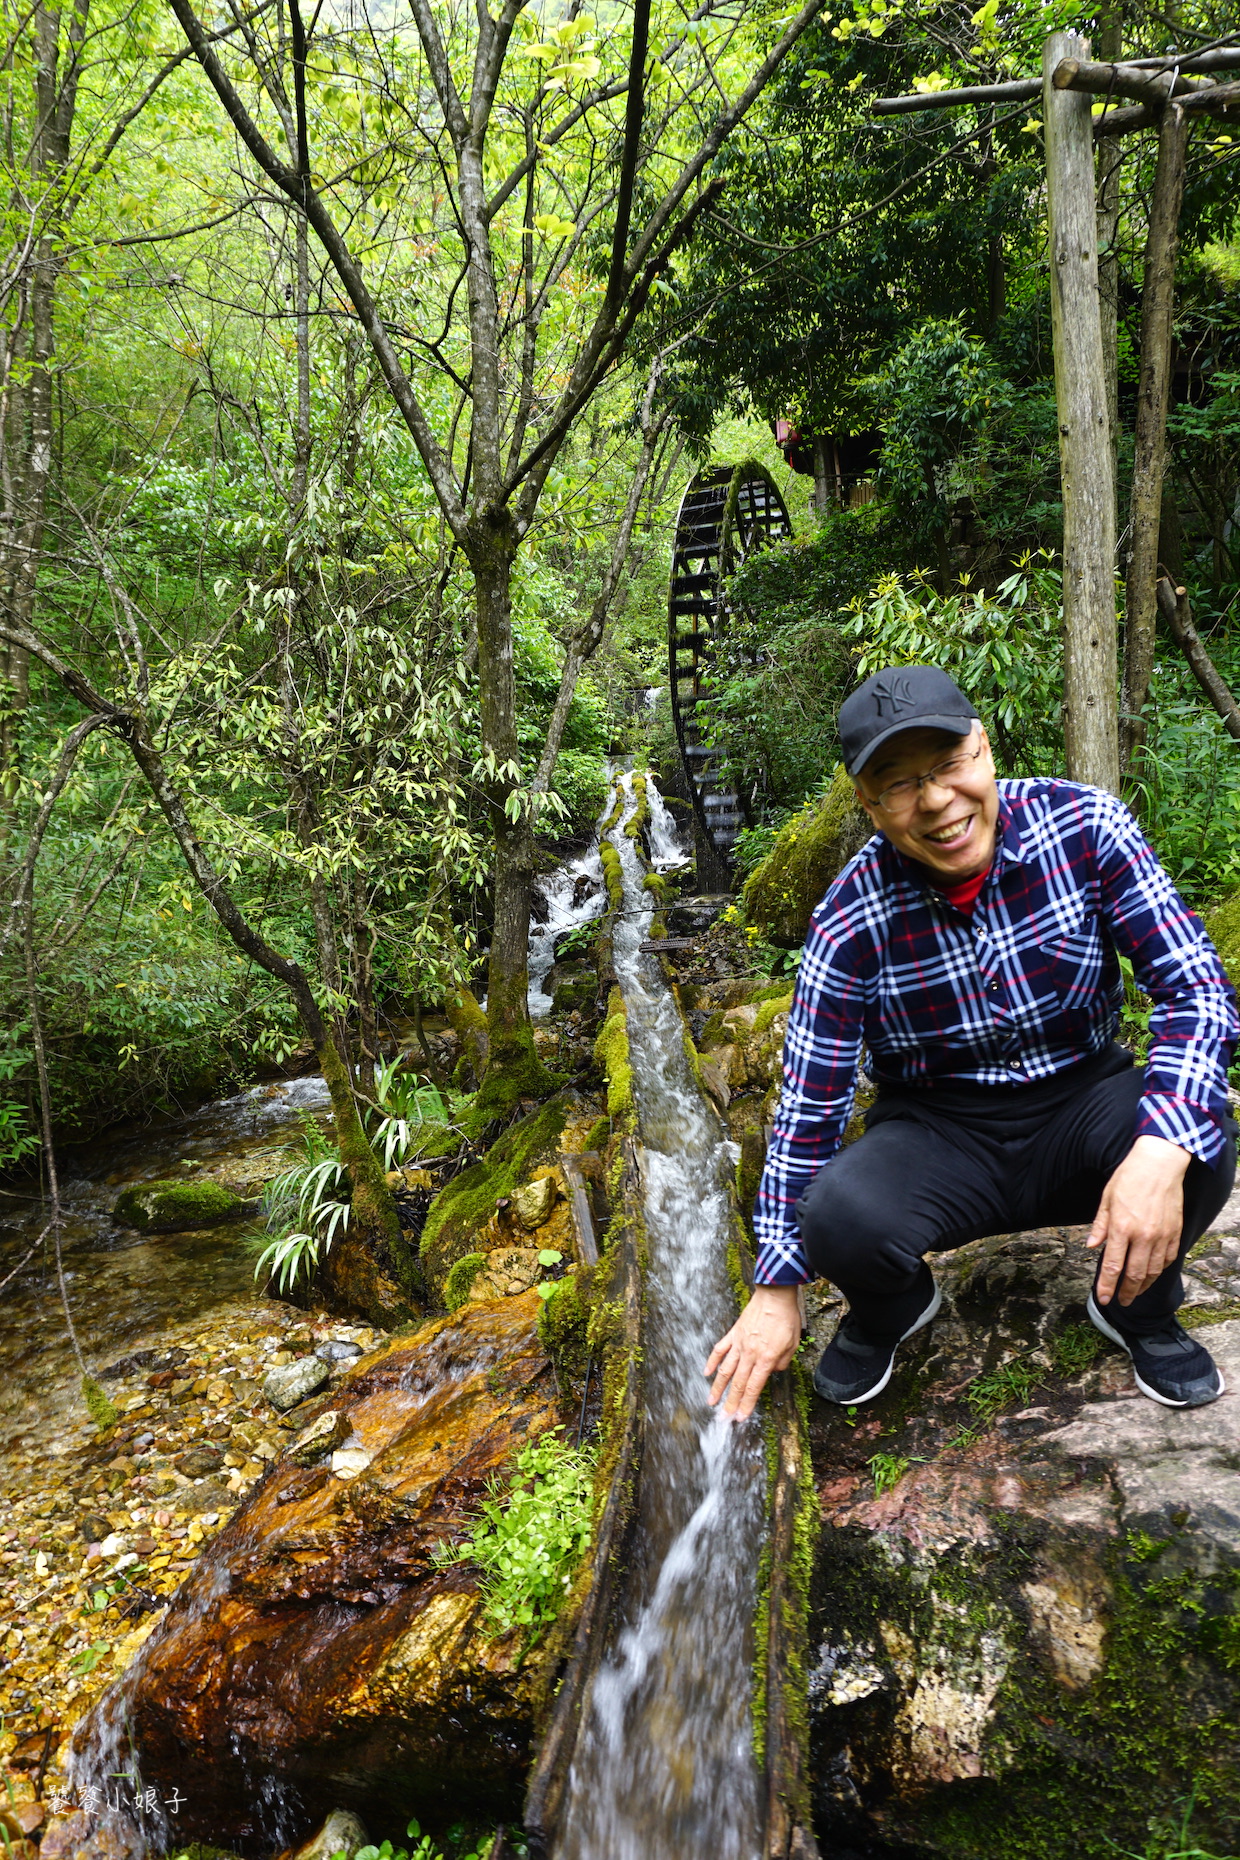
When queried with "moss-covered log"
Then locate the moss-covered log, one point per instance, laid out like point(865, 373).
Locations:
point(780, 894)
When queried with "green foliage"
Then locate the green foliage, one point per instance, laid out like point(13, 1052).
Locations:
point(306, 1206)
point(785, 664)
point(938, 393)
point(530, 1535)
point(1171, 1838)
point(1186, 788)
point(1074, 1349)
point(887, 1470)
point(409, 1116)
point(425, 1849)
point(1004, 649)
point(1014, 1382)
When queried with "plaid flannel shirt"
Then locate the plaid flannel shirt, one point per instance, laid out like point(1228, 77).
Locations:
point(1028, 985)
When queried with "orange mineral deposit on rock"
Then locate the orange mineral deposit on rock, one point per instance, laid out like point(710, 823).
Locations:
point(317, 1657)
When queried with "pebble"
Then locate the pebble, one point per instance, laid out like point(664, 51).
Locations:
point(86, 1513)
point(293, 1382)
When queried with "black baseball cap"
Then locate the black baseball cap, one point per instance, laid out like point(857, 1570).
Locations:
point(904, 697)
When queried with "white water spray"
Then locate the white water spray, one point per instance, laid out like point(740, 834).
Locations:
point(665, 1767)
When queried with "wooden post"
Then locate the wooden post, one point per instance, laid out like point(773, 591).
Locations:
point(1150, 441)
point(1091, 720)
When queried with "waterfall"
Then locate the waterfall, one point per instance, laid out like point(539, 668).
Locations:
point(574, 895)
point(664, 1766)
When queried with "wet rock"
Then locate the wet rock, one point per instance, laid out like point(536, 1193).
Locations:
point(341, 1833)
point(291, 1383)
point(333, 1351)
point(321, 1437)
point(348, 1462)
point(318, 1640)
point(178, 1207)
point(532, 1203)
point(1007, 1533)
point(509, 1272)
point(199, 1461)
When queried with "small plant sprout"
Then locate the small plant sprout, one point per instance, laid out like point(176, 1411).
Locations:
point(530, 1534)
point(887, 1470)
point(548, 1256)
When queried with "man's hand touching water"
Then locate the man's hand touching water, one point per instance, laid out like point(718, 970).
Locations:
point(1140, 1218)
point(764, 1338)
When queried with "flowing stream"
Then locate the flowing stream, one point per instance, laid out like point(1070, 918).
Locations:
point(665, 1766)
point(129, 1290)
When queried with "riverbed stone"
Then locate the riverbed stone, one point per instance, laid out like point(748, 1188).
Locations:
point(170, 1207)
point(318, 1640)
point(323, 1436)
point(1026, 1613)
point(292, 1383)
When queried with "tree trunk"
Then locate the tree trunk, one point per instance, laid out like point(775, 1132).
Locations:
point(1150, 444)
point(1091, 735)
point(513, 1069)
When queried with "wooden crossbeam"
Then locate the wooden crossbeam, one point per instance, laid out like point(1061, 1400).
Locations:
point(1150, 80)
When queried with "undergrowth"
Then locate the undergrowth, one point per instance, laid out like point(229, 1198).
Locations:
point(426, 1848)
point(530, 1534)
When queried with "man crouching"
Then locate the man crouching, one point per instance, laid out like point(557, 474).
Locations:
point(972, 946)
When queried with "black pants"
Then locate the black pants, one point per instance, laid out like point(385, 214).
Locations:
point(936, 1170)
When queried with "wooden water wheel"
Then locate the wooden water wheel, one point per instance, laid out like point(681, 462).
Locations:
point(726, 513)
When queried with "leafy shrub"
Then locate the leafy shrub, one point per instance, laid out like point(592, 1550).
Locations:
point(530, 1535)
point(306, 1207)
point(1004, 649)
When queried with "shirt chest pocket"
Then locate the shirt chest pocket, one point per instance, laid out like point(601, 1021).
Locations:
point(1062, 954)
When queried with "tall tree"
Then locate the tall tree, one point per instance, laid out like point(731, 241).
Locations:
point(567, 169)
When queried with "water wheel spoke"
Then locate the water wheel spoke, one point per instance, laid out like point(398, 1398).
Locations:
point(726, 513)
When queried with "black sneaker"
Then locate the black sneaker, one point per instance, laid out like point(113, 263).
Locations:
point(1169, 1365)
point(854, 1367)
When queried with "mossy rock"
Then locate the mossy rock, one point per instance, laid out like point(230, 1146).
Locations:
point(812, 849)
point(1223, 924)
point(467, 1203)
point(611, 1049)
point(460, 1281)
point(563, 1326)
point(178, 1207)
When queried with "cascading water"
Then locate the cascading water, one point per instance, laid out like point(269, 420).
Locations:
point(574, 893)
point(664, 1765)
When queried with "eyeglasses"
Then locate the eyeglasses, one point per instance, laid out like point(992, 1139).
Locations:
point(902, 795)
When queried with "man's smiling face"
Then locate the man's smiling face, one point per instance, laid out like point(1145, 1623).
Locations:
point(947, 825)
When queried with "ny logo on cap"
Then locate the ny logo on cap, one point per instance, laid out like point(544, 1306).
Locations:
point(896, 691)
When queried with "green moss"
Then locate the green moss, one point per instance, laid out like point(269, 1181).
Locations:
point(176, 1207)
point(773, 1005)
point(613, 875)
point(100, 1409)
point(599, 1134)
point(640, 817)
point(575, 991)
point(460, 1280)
point(1069, 1774)
point(780, 894)
point(563, 1327)
point(658, 885)
point(611, 1049)
point(468, 1201)
point(511, 1076)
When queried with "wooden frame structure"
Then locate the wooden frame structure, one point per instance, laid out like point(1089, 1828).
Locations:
point(1167, 93)
point(726, 513)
